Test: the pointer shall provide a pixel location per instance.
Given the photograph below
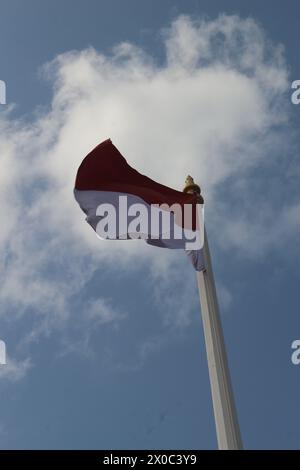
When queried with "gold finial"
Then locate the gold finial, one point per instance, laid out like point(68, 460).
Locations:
point(192, 188)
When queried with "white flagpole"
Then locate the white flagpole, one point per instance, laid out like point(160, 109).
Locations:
point(226, 420)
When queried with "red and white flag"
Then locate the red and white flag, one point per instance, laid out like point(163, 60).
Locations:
point(121, 203)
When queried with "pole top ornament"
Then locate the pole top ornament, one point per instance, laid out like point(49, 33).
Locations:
point(192, 188)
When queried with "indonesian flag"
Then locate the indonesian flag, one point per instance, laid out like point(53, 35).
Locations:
point(122, 204)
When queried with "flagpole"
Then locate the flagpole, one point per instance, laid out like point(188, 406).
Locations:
point(226, 420)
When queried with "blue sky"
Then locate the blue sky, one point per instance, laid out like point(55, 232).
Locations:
point(105, 343)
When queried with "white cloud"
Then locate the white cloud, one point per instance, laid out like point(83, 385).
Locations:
point(93, 314)
point(14, 370)
point(215, 110)
point(102, 312)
